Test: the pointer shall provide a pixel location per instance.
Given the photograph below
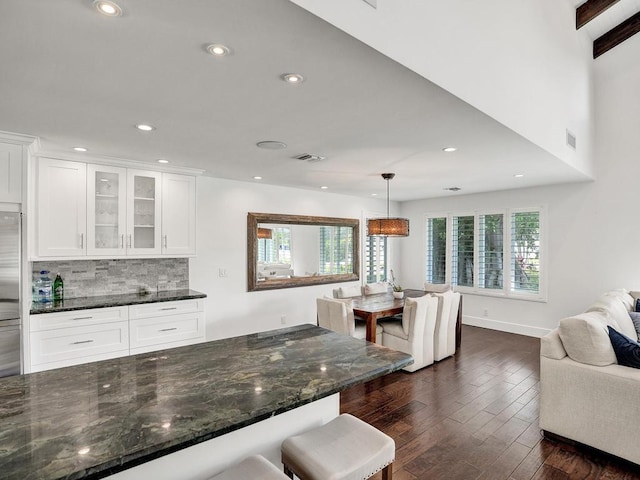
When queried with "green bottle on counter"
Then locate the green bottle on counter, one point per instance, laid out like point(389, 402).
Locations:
point(58, 288)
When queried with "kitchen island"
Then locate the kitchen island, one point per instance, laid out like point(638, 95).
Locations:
point(97, 419)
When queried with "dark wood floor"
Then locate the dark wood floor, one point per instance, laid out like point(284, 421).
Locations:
point(475, 416)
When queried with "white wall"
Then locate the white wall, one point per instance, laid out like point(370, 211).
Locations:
point(593, 241)
point(520, 62)
point(222, 237)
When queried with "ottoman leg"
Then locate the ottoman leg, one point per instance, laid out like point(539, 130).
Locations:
point(387, 472)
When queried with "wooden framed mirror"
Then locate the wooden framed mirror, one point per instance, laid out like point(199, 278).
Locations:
point(285, 251)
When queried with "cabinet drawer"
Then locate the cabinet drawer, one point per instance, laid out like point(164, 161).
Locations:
point(70, 346)
point(149, 334)
point(166, 308)
point(77, 318)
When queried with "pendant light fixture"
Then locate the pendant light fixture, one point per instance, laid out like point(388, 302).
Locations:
point(265, 233)
point(388, 227)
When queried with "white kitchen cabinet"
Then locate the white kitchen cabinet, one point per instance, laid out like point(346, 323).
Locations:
point(61, 205)
point(178, 214)
point(106, 210)
point(71, 338)
point(144, 212)
point(11, 157)
point(157, 326)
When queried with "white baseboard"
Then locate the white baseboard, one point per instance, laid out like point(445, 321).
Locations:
point(527, 330)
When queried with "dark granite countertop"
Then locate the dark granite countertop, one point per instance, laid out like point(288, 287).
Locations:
point(92, 420)
point(82, 303)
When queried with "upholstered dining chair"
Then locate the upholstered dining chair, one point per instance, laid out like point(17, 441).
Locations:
point(337, 315)
point(445, 331)
point(348, 292)
point(415, 333)
point(373, 288)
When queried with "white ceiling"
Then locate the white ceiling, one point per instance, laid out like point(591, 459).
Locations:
point(74, 77)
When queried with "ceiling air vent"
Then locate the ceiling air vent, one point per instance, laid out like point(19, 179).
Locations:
point(452, 189)
point(307, 157)
point(571, 140)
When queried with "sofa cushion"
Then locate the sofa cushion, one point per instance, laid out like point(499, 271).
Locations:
point(627, 351)
point(618, 315)
point(586, 339)
point(635, 318)
point(627, 300)
point(551, 346)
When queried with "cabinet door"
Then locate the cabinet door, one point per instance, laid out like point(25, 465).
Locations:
point(106, 210)
point(61, 208)
point(10, 173)
point(143, 212)
point(178, 214)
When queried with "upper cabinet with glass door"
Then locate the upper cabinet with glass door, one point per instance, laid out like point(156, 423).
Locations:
point(143, 217)
point(106, 210)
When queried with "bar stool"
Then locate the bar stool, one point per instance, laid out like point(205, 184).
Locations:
point(251, 467)
point(346, 448)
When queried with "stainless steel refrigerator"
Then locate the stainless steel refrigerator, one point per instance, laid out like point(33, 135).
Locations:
point(10, 227)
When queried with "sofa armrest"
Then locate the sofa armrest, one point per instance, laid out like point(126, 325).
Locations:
point(551, 346)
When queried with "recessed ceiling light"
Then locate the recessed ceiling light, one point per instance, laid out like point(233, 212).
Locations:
point(80, 149)
point(144, 127)
point(374, 194)
point(108, 8)
point(272, 145)
point(257, 177)
point(218, 50)
point(323, 187)
point(162, 160)
point(449, 149)
point(292, 78)
point(519, 175)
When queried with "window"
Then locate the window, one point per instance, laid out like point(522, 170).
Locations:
point(335, 250)
point(463, 254)
point(497, 253)
point(276, 249)
point(437, 250)
point(525, 252)
point(490, 251)
point(375, 259)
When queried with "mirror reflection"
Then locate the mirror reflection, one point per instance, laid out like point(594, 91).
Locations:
point(288, 251)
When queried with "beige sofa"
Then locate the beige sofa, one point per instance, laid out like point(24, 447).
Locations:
point(585, 396)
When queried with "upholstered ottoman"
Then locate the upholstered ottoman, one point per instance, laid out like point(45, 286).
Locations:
point(346, 448)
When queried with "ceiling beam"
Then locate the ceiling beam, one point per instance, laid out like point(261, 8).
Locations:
point(616, 35)
point(590, 10)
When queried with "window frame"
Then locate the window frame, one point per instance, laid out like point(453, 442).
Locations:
point(476, 289)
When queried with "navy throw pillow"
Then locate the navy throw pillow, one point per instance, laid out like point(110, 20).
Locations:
point(627, 351)
point(637, 309)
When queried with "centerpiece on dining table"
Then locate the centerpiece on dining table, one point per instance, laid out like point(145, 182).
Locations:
point(397, 290)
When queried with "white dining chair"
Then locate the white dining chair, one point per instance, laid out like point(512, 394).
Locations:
point(373, 288)
point(414, 334)
point(445, 331)
point(337, 315)
point(347, 292)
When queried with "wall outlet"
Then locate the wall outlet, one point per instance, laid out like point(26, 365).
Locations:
point(222, 272)
point(283, 319)
point(486, 312)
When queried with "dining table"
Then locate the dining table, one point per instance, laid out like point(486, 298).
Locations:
point(380, 305)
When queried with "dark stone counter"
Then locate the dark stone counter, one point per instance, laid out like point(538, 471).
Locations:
point(82, 303)
point(92, 420)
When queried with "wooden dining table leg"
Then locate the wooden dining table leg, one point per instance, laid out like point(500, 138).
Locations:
point(371, 327)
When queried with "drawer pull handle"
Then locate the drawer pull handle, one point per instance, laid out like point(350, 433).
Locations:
point(169, 308)
point(83, 341)
point(168, 329)
point(83, 318)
